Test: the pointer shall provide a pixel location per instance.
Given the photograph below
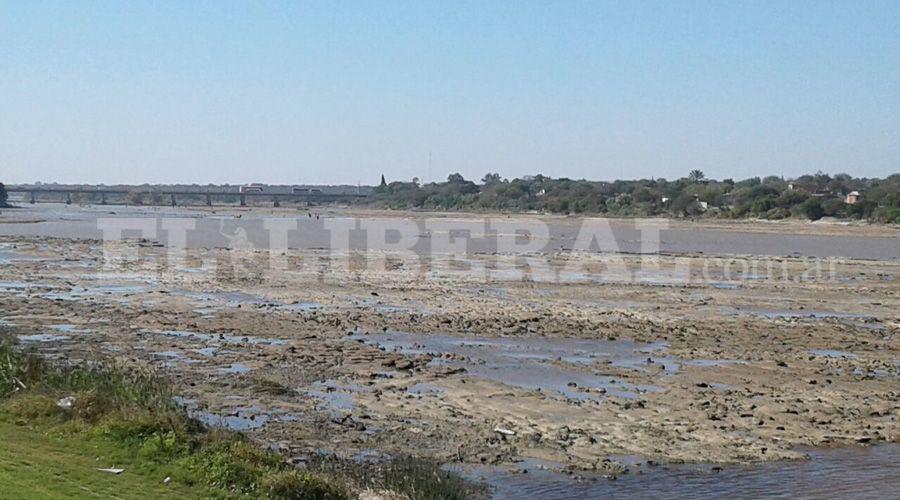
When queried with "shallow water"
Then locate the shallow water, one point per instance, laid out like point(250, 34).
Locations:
point(832, 353)
point(335, 397)
point(236, 368)
point(81, 293)
point(220, 338)
point(559, 367)
point(213, 301)
point(859, 472)
point(217, 231)
point(42, 337)
point(798, 313)
point(243, 419)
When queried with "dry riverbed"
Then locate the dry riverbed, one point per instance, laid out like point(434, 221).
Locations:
point(589, 374)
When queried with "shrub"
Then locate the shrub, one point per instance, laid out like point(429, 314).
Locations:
point(834, 207)
point(296, 485)
point(31, 406)
point(811, 209)
point(231, 465)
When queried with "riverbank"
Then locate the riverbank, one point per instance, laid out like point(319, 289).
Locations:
point(76, 430)
point(477, 360)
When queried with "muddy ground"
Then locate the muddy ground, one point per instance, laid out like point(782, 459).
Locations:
point(431, 359)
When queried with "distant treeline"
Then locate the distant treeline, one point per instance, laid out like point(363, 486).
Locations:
point(809, 196)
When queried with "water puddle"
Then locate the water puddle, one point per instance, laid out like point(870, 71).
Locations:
point(214, 301)
point(81, 293)
point(236, 368)
point(168, 354)
point(301, 307)
point(43, 337)
point(832, 353)
point(18, 287)
point(69, 328)
point(799, 314)
point(8, 257)
point(220, 338)
point(206, 351)
point(862, 472)
point(424, 388)
point(243, 419)
point(558, 367)
point(335, 397)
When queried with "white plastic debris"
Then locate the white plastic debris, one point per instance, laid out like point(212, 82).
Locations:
point(66, 403)
point(112, 471)
point(167, 480)
point(505, 432)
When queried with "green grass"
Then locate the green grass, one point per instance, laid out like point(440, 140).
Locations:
point(415, 478)
point(126, 418)
point(37, 464)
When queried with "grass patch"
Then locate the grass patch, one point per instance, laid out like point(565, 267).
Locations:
point(38, 464)
point(73, 419)
point(60, 422)
point(411, 477)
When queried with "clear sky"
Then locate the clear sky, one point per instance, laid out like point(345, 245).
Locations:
point(343, 91)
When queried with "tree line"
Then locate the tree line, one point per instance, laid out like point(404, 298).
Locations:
point(809, 196)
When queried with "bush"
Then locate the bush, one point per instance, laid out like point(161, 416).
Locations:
point(31, 406)
point(834, 207)
point(811, 209)
point(296, 485)
point(763, 205)
point(231, 465)
point(890, 215)
point(778, 213)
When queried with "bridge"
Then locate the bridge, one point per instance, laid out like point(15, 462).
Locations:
point(32, 193)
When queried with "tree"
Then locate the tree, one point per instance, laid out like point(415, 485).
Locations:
point(134, 197)
point(811, 208)
point(490, 178)
point(456, 178)
point(3, 195)
point(383, 183)
point(696, 176)
point(834, 207)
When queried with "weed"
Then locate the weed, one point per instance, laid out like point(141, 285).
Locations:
point(296, 485)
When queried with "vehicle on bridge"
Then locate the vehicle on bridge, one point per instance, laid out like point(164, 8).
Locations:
point(252, 188)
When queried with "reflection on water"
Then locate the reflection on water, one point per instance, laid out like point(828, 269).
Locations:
point(871, 472)
point(558, 367)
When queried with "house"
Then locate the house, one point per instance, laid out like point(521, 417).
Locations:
point(852, 198)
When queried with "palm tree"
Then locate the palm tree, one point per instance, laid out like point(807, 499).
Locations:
point(696, 176)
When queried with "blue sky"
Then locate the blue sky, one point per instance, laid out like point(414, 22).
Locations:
point(340, 92)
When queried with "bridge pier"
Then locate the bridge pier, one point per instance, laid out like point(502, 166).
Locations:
point(208, 200)
point(243, 201)
point(103, 198)
point(31, 199)
point(68, 198)
point(173, 199)
point(275, 202)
